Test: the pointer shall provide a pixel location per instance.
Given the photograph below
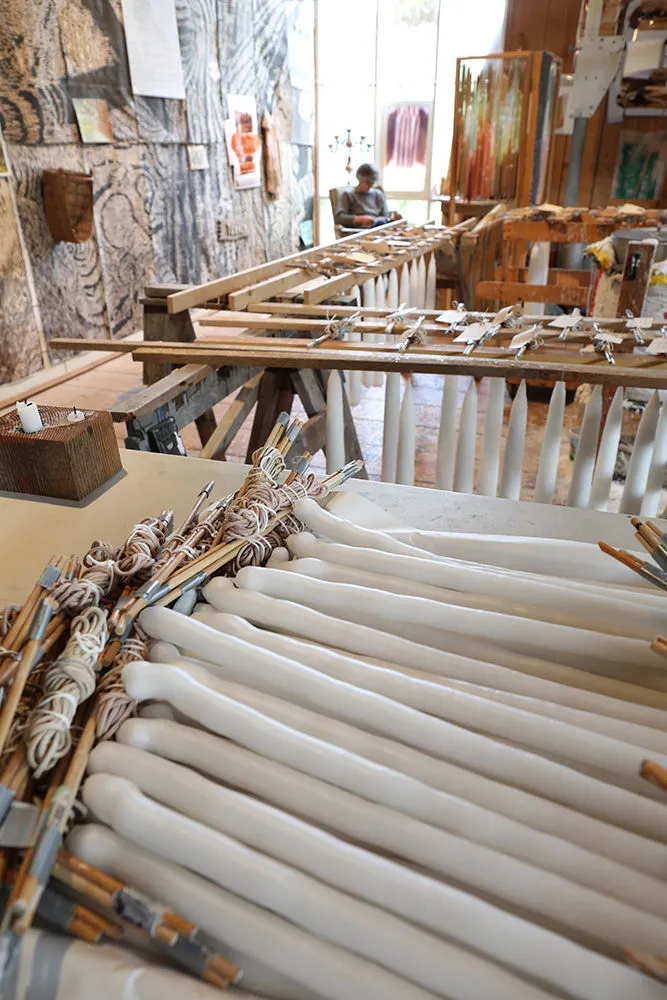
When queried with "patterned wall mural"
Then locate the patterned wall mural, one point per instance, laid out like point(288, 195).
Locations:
point(154, 217)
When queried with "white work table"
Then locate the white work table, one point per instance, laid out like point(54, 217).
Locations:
point(32, 530)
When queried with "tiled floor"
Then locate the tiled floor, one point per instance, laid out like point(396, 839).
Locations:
point(100, 387)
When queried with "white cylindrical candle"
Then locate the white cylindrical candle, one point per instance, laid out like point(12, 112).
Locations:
point(353, 378)
point(392, 290)
point(464, 469)
point(404, 285)
point(392, 409)
point(510, 480)
point(405, 461)
point(368, 300)
point(376, 338)
point(335, 430)
point(487, 481)
point(421, 282)
point(640, 459)
point(656, 473)
point(444, 470)
point(548, 469)
point(75, 416)
point(28, 414)
point(606, 460)
point(431, 283)
point(584, 459)
point(414, 284)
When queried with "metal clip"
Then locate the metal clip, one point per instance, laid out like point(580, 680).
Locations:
point(415, 335)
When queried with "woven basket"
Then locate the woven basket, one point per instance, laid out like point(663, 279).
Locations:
point(68, 203)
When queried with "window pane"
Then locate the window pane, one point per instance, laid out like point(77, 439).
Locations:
point(342, 108)
point(346, 41)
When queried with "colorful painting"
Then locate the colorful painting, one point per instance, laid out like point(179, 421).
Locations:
point(640, 166)
point(243, 141)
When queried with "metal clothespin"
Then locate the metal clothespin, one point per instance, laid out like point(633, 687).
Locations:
point(526, 340)
point(480, 336)
point(570, 321)
point(603, 343)
point(336, 329)
point(415, 335)
point(398, 316)
point(635, 324)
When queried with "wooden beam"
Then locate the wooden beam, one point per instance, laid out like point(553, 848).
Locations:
point(333, 286)
point(512, 292)
point(232, 421)
point(537, 365)
point(198, 294)
point(265, 289)
point(139, 402)
point(636, 275)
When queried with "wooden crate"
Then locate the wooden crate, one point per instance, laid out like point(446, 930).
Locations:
point(66, 461)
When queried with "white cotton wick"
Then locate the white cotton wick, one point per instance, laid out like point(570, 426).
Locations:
point(75, 416)
point(28, 414)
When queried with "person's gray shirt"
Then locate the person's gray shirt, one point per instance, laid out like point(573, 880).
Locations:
point(351, 203)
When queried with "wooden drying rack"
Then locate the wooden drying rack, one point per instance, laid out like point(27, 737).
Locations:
point(253, 331)
point(175, 318)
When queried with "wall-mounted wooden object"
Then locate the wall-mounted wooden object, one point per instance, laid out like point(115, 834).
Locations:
point(68, 203)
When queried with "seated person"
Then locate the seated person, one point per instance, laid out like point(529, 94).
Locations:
point(365, 205)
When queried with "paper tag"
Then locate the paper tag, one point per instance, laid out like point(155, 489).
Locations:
point(588, 349)
point(451, 316)
point(520, 339)
point(639, 322)
point(657, 346)
point(472, 334)
point(565, 322)
point(607, 338)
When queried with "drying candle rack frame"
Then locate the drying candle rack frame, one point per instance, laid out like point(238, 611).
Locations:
point(174, 314)
point(274, 342)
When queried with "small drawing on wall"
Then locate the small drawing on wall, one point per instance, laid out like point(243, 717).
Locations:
point(243, 141)
point(640, 166)
point(93, 119)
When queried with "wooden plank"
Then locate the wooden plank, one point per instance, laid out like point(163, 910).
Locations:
point(265, 289)
point(535, 365)
point(275, 395)
point(138, 402)
point(333, 286)
point(198, 294)
point(511, 292)
point(232, 421)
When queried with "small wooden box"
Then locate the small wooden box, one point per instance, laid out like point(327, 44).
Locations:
point(64, 460)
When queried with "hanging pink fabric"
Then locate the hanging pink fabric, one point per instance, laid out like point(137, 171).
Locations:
point(407, 135)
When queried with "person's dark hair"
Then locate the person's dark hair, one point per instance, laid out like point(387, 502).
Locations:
point(368, 172)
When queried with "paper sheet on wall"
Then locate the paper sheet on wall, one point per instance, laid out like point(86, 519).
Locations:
point(153, 50)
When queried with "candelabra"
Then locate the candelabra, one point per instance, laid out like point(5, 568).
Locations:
point(361, 144)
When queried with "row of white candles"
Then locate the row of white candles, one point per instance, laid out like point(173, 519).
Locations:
point(501, 474)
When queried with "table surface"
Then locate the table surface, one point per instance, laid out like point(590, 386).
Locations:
point(32, 530)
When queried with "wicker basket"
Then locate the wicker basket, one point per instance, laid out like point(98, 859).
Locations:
point(68, 203)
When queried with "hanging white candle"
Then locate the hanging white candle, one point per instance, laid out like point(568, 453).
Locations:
point(584, 459)
point(405, 461)
point(656, 473)
point(421, 282)
point(335, 429)
point(548, 467)
point(431, 289)
point(487, 480)
point(353, 377)
point(515, 445)
point(446, 454)
point(404, 285)
point(414, 284)
point(464, 468)
point(640, 459)
point(607, 452)
point(392, 410)
point(29, 416)
point(368, 298)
